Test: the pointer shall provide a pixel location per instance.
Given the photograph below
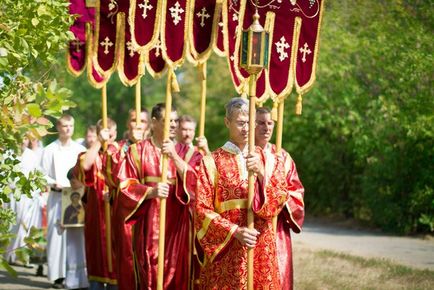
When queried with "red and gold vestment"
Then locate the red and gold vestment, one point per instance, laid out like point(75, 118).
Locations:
point(221, 207)
point(138, 174)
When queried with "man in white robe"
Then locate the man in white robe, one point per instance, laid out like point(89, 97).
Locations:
point(57, 158)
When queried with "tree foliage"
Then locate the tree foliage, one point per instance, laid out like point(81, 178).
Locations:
point(31, 35)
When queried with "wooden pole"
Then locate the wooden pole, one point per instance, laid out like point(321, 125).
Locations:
point(164, 163)
point(138, 102)
point(279, 128)
point(107, 211)
point(202, 72)
point(250, 217)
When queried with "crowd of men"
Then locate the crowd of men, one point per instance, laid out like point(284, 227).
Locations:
point(206, 233)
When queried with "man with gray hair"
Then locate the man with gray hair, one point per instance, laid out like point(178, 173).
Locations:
point(222, 237)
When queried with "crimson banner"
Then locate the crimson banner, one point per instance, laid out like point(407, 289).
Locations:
point(203, 28)
point(144, 17)
point(174, 29)
point(294, 34)
point(131, 61)
point(107, 42)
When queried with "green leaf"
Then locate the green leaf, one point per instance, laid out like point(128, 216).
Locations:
point(34, 110)
point(7, 267)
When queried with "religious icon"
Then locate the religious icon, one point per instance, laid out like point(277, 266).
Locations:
point(72, 208)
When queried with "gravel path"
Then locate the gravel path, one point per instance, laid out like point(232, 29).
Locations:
point(408, 251)
point(413, 252)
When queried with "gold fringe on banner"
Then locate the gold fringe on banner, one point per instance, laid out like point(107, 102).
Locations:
point(174, 82)
point(299, 105)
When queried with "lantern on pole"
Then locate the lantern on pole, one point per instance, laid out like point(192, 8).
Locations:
point(253, 58)
point(254, 47)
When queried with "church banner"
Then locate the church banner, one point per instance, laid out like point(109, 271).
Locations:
point(203, 28)
point(294, 34)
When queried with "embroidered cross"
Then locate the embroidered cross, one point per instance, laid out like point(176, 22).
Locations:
point(106, 44)
point(130, 48)
point(157, 48)
point(305, 50)
point(280, 47)
point(176, 12)
point(202, 15)
point(146, 6)
point(77, 43)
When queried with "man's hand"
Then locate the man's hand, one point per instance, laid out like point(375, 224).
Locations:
point(138, 133)
point(202, 143)
point(246, 236)
point(104, 135)
point(159, 191)
point(254, 164)
point(168, 148)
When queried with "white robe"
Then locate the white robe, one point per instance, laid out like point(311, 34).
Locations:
point(28, 210)
point(56, 162)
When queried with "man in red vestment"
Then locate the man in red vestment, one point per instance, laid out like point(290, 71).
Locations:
point(122, 232)
point(142, 189)
point(88, 171)
point(292, 215)
point(186, 133)
point(221, 210)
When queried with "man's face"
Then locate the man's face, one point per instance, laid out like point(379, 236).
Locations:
point(158, 126)
point(264, 127)
point(91, 138)
point(186, 132)
point(113, 134)
point(132, 121)
point(75, 199)
point(238, 125)
point(65, 129)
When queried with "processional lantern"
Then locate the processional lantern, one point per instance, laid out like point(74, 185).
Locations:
point(254, 47)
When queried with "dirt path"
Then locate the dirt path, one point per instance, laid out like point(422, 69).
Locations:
point(413, 252)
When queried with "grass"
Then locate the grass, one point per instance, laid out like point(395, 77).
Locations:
point(324, 270)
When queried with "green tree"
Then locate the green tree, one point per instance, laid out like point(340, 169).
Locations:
point(31, 35)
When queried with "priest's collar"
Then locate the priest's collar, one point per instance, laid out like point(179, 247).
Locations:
point(234, 149)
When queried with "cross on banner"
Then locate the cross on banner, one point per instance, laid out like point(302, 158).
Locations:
point(280, 47)
point(77, 43)
point(202, 14)
point(146, 6)
point(305, 50)
point(130, 48)
point(175, 12)
point(106, 44)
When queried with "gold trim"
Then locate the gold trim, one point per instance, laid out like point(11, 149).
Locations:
point(209, 216)
point(211, 168)
point(103, 280)
point(136, 158)
point(231, 205)
point(157, 179)
point(71, 70)
point(306, 87)
point(139, 203)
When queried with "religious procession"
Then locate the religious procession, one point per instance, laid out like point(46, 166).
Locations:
point(141, 198)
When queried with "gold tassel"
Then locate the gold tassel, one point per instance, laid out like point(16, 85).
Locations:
point(298, 106)
point(174, 83)
point(274, 111)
